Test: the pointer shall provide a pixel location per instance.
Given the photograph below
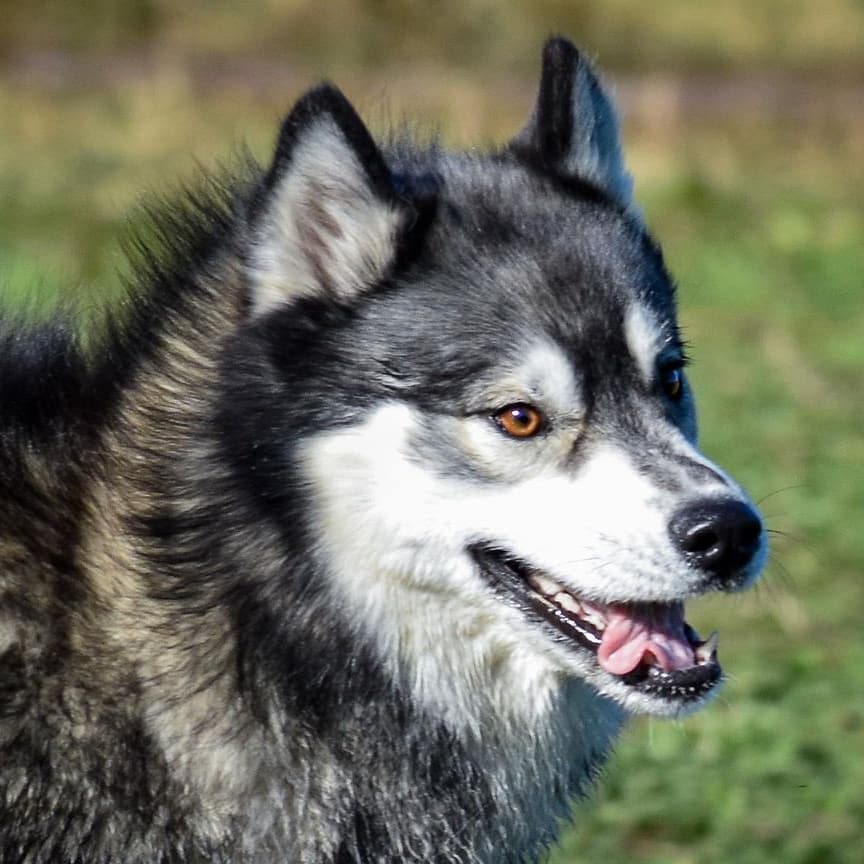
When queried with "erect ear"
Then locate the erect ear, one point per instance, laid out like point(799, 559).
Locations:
point(328, 220)
point(574, 127)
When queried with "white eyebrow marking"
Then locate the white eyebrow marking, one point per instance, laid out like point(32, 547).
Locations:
point(547, 370)
point(645, 338)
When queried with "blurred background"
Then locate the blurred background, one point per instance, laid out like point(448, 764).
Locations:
point(744, 125)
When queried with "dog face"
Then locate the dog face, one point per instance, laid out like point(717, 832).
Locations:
point(497, 427)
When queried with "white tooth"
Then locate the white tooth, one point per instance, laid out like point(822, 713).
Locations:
point(707, 650)
point(593, 617)
point(568, 602)
point(544, 585)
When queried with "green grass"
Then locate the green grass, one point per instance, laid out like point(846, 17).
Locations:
point(762, 223)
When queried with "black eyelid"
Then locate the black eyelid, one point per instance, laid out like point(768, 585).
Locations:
point(671, 364)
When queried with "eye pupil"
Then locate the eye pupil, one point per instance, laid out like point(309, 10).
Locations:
point(519, 420)
point(672, 383)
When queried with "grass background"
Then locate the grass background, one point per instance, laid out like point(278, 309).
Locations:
point(745, 130)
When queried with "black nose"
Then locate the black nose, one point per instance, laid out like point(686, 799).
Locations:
point(719, 537)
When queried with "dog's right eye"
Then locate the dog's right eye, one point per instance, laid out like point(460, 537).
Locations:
point(520, 420)
point(672, 381)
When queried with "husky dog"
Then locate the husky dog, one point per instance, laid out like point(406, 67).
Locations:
point(366, 522)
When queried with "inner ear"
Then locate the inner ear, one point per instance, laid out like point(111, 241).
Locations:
point(328, 219)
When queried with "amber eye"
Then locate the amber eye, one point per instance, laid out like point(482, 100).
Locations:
point(672, 382)
point(520, 420)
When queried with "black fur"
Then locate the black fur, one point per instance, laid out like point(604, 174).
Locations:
point(554, 113)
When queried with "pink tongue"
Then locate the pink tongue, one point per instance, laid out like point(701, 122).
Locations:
point(632, 632)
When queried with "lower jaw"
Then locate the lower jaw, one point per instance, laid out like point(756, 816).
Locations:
point(683, 688)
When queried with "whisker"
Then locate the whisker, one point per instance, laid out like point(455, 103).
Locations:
point(786, 575)
point(795, 539)
point(778, 491)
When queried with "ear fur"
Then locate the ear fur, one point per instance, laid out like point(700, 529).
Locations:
point(574, 126)
point(327, 221)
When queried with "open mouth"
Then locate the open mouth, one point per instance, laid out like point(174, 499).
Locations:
point(646, 646)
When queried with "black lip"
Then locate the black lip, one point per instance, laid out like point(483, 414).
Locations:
point(506, 575)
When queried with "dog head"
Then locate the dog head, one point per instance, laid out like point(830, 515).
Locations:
point(472, 363)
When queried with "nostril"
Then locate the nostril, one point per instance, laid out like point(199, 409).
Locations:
point(719, 537)
point(703, 539)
